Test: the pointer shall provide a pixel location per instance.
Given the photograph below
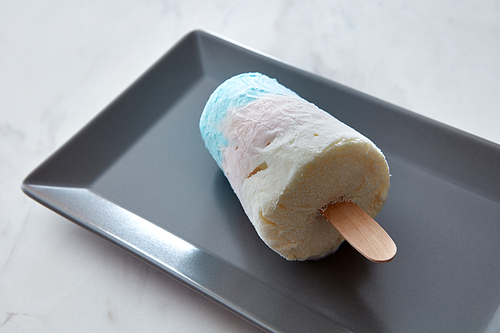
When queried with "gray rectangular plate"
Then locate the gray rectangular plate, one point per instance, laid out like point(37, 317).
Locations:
point(140, 176)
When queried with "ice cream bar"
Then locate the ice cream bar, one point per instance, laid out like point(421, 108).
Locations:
point(287, 160)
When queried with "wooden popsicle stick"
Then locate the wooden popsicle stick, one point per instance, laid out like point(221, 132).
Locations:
point(361, 231)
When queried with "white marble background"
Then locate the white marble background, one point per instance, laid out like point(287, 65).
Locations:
point(61, 62)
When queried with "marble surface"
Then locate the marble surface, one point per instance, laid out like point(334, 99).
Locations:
point(61, 62)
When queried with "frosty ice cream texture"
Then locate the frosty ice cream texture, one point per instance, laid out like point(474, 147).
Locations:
point(287, 160)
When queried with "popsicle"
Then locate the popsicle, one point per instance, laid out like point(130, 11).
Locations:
point(292, 165)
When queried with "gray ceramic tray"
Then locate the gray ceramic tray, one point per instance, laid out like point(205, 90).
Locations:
point(140, 176)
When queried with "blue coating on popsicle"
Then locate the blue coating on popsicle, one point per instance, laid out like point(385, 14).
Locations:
point(234, 93)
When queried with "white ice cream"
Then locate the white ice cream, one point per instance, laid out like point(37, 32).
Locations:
point(287, 160)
